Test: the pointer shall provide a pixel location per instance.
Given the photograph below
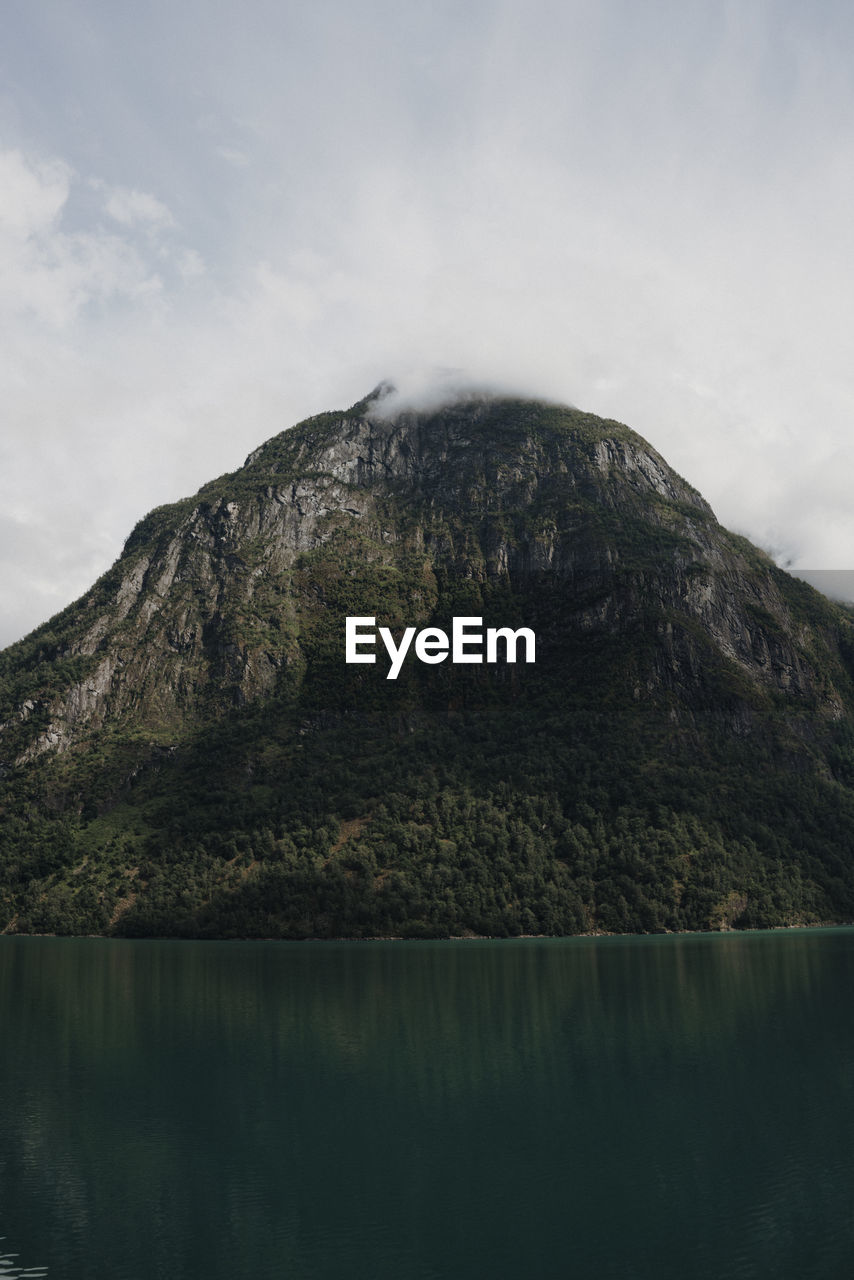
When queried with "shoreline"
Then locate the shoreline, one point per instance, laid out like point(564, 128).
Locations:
point(453, 938)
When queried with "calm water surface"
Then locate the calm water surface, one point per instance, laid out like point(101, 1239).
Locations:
point(656, 1107)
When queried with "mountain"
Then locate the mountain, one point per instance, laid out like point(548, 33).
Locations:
point(185, 750)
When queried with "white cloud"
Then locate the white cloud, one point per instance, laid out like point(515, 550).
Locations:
point(191, 264)
point(46, 273)
point(138, 208)
point(34, 194)
point(231, 155)
point(644, 211)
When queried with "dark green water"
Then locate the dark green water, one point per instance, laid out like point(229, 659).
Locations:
point(656, 1107)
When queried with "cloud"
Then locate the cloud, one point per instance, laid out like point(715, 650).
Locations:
point(48, 274)
point(134, 208)
point(34, 194)
point(837, 584)
point(191, 264)
point(425, 390)
point(642, 211)
point(231, 155)
point(88, 380)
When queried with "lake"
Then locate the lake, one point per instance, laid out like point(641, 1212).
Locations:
point(677, 1106)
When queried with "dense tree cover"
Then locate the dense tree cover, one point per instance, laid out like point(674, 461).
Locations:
point(508, 807)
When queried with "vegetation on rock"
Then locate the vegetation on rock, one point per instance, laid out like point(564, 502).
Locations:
point(185, 752)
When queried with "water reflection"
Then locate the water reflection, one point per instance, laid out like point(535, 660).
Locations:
point(665, 1106)
point(11, 1270)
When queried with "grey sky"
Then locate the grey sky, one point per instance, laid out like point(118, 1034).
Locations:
point(216, 219)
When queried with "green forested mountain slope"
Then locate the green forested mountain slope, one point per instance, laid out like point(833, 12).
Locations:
point(185, 750)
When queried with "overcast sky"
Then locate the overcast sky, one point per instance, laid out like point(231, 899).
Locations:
point(216, 219)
